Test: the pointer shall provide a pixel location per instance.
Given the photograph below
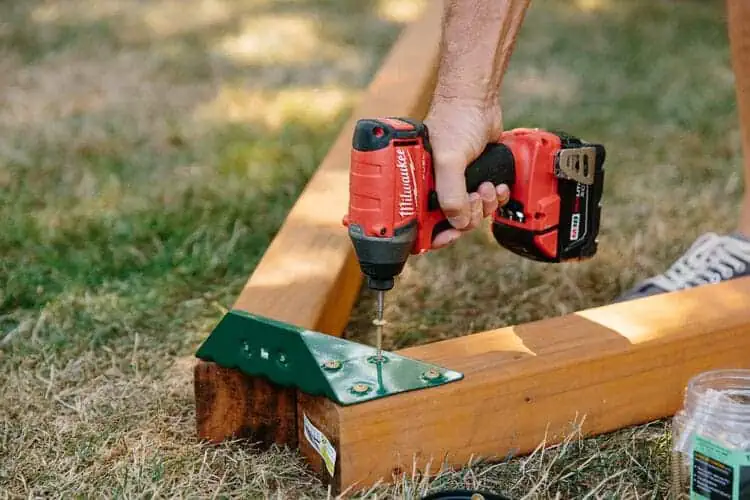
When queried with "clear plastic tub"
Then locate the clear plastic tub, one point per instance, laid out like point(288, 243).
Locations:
point(711, 438)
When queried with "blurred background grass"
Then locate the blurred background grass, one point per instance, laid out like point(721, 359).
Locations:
point(149, 150)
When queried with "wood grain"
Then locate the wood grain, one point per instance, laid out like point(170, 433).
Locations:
point(603, 368)
point(233, 406)
point(309, 275)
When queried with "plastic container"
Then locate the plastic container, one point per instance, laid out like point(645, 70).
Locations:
point(711, 438)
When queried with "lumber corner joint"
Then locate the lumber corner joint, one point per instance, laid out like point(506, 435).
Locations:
point(230, 403)
point(317, 364)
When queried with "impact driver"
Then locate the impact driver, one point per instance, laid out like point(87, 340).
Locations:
point(555, 182)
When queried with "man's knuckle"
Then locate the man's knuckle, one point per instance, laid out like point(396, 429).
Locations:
point(452, 203)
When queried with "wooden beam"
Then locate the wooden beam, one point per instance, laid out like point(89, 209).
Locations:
point(309, 276)
point(609, 367)
point(233, 405)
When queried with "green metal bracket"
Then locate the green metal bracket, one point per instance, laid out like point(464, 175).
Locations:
point(317, 364)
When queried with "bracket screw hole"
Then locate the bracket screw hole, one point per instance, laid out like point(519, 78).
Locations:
point(375, 360)
point(246, 349)
point(282, 359)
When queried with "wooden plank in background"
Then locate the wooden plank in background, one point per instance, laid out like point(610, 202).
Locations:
point(608, 367)
point(309, 276)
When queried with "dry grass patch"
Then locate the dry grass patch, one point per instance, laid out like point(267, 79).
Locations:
point(141, 147)
point(135, 201)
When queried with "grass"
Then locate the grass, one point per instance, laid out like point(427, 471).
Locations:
point(630, 76)
point(148, 153)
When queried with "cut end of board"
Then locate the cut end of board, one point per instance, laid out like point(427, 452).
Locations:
point(230, 405)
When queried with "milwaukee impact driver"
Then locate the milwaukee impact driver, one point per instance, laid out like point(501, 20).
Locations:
point(555, 182)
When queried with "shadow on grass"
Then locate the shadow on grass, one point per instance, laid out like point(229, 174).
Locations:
point(112, 286)
point(62, 235)
point(38, 30)
point(200, 233)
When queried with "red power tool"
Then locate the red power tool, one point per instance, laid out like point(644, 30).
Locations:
point(555, 182)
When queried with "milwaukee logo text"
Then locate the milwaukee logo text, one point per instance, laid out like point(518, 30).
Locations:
point(406, 202)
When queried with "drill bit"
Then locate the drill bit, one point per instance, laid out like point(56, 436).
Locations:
point(379, 322)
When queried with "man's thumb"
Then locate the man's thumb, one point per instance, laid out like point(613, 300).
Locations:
point(450, 185)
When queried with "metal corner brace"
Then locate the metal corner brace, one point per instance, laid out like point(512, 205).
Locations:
point(343, 371)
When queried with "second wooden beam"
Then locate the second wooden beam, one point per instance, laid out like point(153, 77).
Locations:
point(605, 368)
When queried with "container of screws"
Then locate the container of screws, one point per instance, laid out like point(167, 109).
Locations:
point(711, 438)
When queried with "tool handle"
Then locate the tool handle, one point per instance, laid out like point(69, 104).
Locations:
point(495, 164)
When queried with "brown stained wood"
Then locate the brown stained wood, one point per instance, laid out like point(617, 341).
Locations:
point(603, 368)
point(230, 407)
point(308, 276)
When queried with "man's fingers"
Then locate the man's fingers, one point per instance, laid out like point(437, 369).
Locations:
point(457, 209)
point(489, 198)
point(503, 194)
point(445, 238)
point(475, 202)
point(450, 185)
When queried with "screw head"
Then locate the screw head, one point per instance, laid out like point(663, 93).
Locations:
point(332, 364)
point(432, 374)
point(360, 388)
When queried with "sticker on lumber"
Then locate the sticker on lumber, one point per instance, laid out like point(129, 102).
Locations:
point(321, 444)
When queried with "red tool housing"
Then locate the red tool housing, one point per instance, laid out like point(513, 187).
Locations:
point(394, 210)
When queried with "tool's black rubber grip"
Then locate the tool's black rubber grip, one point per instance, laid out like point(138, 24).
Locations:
point(495, 164)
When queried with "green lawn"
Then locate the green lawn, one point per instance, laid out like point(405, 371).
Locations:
point(148, 153)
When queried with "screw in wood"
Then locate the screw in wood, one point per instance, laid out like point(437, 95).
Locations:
point(332, 364)
point(432, 374)
point(360, 388)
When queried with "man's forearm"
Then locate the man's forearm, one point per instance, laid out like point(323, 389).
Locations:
point(464, 115)
point(478, 40)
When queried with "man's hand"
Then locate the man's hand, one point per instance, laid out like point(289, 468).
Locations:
point(459, 132)
point(478, 39)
